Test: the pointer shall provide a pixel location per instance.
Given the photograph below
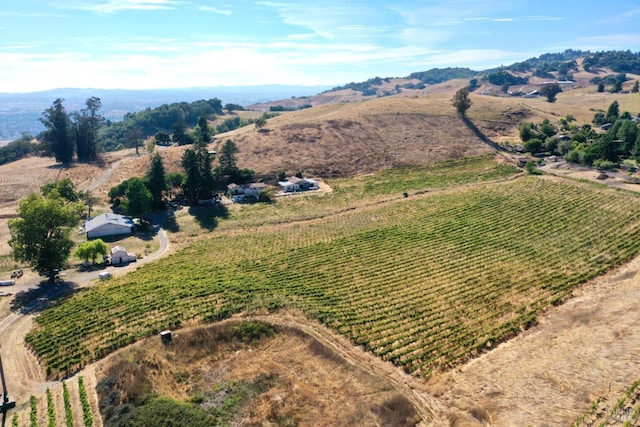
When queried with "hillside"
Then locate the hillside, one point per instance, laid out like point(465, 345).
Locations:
point(429, 277)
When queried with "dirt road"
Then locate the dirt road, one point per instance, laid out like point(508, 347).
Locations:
point(24, 374)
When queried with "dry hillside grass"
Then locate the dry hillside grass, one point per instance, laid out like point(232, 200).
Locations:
point(289, 378)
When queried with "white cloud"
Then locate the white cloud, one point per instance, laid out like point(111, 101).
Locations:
point(113, 6)
point(632, 14)
point(152, 64)
point(216, 10)
point(331, 19)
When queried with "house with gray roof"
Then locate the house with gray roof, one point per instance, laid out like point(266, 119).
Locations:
point(108, 224)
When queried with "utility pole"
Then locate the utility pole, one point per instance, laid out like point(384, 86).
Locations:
point(5, 405)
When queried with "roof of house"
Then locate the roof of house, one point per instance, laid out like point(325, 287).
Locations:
point(108, 218)
point(118, 249)
point(257, 185)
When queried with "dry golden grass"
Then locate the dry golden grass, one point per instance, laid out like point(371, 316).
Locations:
point(307, 383)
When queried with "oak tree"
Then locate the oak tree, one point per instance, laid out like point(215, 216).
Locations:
point(40, 235)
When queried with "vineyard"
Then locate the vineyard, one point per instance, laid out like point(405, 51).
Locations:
point(65, 404)
point(623, 412)
point(424, 281)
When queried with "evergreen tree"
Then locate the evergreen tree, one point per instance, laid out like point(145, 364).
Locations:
point(191, 175)
point(95, 121)
point(57, 136)
point(613, 112)
point(180, 132)
point(81, 128)
point(227, 159)
point(204, 132)
point(157, 180)
point(199, 181)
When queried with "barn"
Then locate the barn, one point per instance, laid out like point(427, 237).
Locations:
point(119, 255)
point(108, 224)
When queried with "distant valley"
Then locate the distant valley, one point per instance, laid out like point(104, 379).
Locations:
point(19, 112)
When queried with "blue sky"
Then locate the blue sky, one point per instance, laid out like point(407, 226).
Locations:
point(141, 44)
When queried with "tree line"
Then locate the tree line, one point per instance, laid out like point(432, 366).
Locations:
point(615, 143)
point(200, 181)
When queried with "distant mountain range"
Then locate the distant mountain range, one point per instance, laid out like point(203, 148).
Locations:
point(19, 112)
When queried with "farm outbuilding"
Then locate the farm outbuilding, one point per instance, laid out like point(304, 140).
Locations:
point(119, 255)
point(108, 224)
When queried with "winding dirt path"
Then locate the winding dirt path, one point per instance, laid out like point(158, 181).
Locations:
point(430, 409)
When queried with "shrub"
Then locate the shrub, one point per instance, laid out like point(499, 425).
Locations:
point(604, 164)
point(533, 146)
point(165, 412)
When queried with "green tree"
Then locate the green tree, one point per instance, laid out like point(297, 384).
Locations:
point(613, 112)
point(533, 146)
point(260, 123)
point(174, 181)
point(91, 250)
point(190, 182)
point(199, 182)
point(600, 87)
point(180, 136)
point(527, 131)
point(157, 180)
point(461, 101)
point(550, 90)
point(57, 137)
point(95, 122)
point(64, 187)
point(636, 87)
point(41, 234)
point(138, 198)
point(233, 107)
point(617, 87)
point(135, 137)
point(227, 158)
point(88, 200)
point(204, 131)
point(546, 128)
point(162, 138)
point(87, 123)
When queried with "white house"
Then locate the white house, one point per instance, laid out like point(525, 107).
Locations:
point(119, 255)
point(108, 224)
point(239, 192)
point(294, 184)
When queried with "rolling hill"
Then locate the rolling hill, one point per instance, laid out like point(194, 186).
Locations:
point(428, 252)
